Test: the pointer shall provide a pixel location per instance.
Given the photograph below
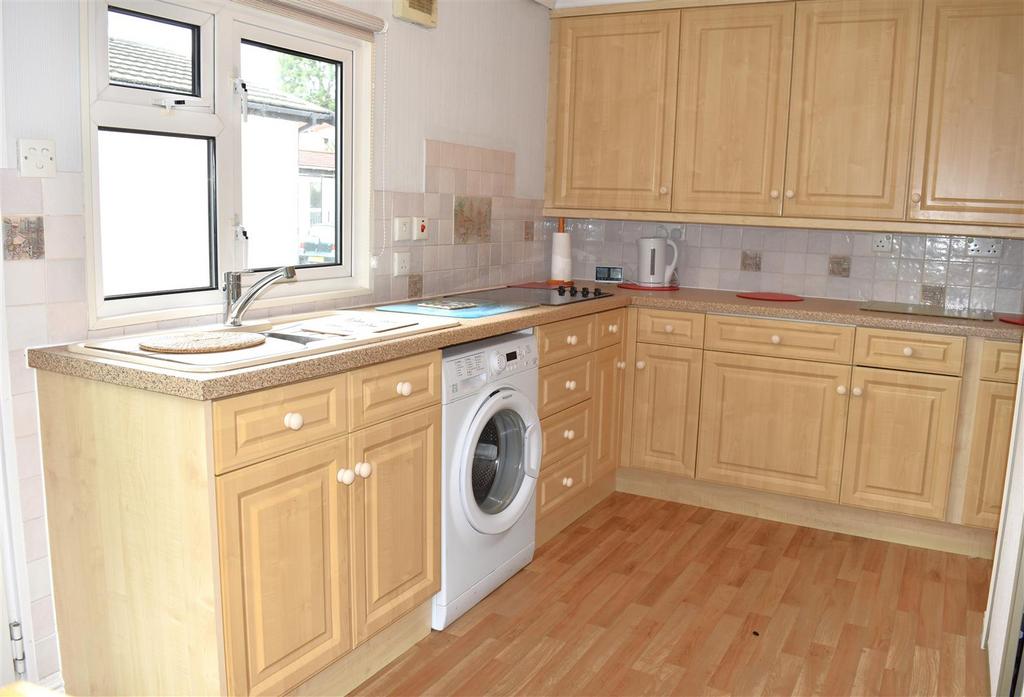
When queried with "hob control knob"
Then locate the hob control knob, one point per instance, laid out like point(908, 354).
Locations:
point(573, 291)
point(585, 292)
point(598, 292)
point(561, 290)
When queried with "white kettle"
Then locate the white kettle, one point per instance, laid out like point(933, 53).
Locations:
point(653, 269)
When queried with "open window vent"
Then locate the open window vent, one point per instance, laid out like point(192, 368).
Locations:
point(417, 11)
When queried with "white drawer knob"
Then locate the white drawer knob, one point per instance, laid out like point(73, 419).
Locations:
point(364, 469)
point(663, 190)
point(570, 385)
point(613, 329)
point(569, 434)
point(907, 351)
point(404, 388)
point(841, 389)
point(857, 392)
point(776, 339)
point(790, 193)
point(915, 197)
point(640, 365)
point(774, 193)
point(621, 365)
point(293, 420)
point(669, 329)
point(567, 482)
point(572, 339)
point(346, 477)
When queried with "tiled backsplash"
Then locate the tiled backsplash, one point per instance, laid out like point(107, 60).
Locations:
point(828, 264)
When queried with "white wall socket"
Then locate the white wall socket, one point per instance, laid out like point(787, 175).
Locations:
point(401, 263)
point(402, 229)
point(37, 158)
point(984, 247)
point(881, 242)
point(419, 229)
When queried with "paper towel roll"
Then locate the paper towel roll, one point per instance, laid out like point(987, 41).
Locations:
point(561, 257)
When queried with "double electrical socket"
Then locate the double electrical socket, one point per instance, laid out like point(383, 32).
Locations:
point(405, 229)
point(984, 247)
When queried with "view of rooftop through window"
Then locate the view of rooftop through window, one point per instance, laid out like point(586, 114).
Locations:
point(152, 53)
point(290, 193)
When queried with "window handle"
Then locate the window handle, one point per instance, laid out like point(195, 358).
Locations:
point(242, 90)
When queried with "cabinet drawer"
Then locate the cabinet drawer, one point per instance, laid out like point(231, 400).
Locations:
point(254, 427)
point(563, 479)
point(999, 361)
point(671, 328)
point(922, 353)
point(566, 339)
point(611, 326)
point(382, 392)
point(814, 341)
point(565, 384)
point(566, 432)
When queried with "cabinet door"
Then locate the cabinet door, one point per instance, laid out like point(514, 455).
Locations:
point(666, 403)
point(990, 450)
point(968, 161)
point(854, 69)
point(284, 533)
point(773, 424)
point(734, 70)
point(397, 518)
point(899, 441)
point(609, 382)
point(613, 109)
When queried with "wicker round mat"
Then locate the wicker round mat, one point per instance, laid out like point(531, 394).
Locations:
point(201, 342)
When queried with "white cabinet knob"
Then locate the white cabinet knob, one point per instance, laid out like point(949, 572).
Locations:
point(364, 469)
point(293, 420)
point(663, 190)
point(568, 434)
point(567, 482)
point(572, 340)
point(915, 197)
point(774, 193)
point(669, 328)
point(907, 351)
point(790, 193)
point(640, 365)
point(404, 388)
point(346, 477)
point(776, 339)
point(841, 389)
point(613, 329)
point(570, 385)
point(621, 365)
point(857, 392)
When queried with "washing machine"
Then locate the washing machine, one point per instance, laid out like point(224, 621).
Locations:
point(491, 449)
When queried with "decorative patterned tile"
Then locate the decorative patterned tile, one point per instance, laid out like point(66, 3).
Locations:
point(933, 295)
point(839, 266)
point(528, 230)
point(24, 237)
point(415, 285)
point(751, 260)
point(472, 219)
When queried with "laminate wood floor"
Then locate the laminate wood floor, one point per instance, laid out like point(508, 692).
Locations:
point(647, 597)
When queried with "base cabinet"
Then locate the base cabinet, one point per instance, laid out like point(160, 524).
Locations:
point(990, 450)
point(899, 441)
point(396, 518)
point(284, 539)
point(773, 424)
point(609, 388)
point(666, 404)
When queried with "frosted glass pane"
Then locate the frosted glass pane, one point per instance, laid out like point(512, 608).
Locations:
point(151, 53)
point(155, 212)
point(289, 158)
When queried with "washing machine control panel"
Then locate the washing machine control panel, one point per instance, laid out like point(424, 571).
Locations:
point(469, 372)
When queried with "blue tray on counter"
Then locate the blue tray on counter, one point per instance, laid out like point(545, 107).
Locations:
point(481, 310)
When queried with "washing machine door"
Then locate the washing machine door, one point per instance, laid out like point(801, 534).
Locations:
point(499, 459)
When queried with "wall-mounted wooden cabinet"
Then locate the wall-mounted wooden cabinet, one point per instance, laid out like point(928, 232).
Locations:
point(614, 84)
point(805, 114)
point(968, 163)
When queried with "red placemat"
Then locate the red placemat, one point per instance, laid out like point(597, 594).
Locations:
point(637, 286)
point(771, 297)
point(1012, 319)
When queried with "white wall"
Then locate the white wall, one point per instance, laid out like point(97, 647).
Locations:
point(478, 79)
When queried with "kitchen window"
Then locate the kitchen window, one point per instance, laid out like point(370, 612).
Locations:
point(222, 138)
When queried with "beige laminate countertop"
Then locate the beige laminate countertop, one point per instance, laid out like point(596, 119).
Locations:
point(207, 386)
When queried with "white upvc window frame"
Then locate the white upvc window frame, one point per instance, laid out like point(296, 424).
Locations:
point(217, 114)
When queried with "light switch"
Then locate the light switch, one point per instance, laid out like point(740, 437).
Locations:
point(37, 158)
point(419, 229)
point(402, 229)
